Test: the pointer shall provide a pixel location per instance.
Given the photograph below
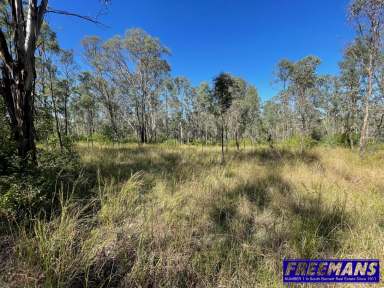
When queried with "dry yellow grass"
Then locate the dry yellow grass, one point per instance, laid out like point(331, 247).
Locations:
point(166, 216)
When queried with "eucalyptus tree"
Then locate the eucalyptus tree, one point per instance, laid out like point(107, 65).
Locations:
point(283, 75)
point(304, 80)
point(222, 97)
point(103, 83)
point(85, 105)
point(330, 108)
point(379, 104)
point(150, 69)
point(301, 82)
point(186, 96)
point(369, 16)
point(18, 40)
point(351, 74)
point(252, 116)
point(237, 111)
point(47, 49)
point(206, 123)
point(67, 83)
point(20, 30)
point(272, 119)
point(136, 66)
point(244, 114)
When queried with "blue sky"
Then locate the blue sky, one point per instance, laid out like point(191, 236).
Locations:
point(245, 37)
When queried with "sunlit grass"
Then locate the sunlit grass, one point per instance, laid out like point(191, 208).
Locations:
point(173, 216)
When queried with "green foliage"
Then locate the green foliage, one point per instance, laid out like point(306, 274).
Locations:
point(223, 93)
point(340, 139)
point(295, 141)
point(317, 133)
point(27, 190)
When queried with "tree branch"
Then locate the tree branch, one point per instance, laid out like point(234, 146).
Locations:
point(67, 13)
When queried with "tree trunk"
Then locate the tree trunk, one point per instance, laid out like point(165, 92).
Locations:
point(58, 130)
point(237, 140)
point(367, 97)
point(18, 73)
point(66, 113)
point(19, 102)
point(222, 141)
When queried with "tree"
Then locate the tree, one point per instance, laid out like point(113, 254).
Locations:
point(369, 16)
point(244, 111)
point(206, 123)
point(17, 53)
point(85, 104)
point(21, 23)
point(300, 81)
point(222, 97)
point(351, 73)
point(103, 80)
point(252, 114)
point(67, 83)
point(130, 70)
point(271, 119)
point(146, 54)
point(283, 74)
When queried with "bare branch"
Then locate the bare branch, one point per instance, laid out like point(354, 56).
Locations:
point(67, 13)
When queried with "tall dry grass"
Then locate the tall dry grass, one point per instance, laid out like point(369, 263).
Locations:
point(165, 216)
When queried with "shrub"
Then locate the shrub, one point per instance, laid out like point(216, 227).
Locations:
point(28, 190)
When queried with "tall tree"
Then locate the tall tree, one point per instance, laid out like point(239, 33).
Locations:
point(369, 16)
point(146, 53)
point(301, 81)
point(222, 98)
point(350, 77)
point(17, 53)
point(67, 83)
point(283, 75)
point(103, 79)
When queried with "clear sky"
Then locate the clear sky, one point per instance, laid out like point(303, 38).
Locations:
point(245, 37)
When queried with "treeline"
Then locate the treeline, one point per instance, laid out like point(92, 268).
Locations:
point(127, 93)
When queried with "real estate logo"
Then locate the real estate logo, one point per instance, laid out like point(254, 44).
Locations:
point(331, 271)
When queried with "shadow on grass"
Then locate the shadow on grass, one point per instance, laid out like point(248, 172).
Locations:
point(278, 156)
point(318, 226)
point(170, 166)
point(305, 227)
point(224, 210)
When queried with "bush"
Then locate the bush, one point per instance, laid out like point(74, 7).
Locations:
point(317, 134)
point(29, 190)
point(340, 139)
point(294, 142)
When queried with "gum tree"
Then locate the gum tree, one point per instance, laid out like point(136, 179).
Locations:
point(17, 53)
point(21, 23)
point(369, 17)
